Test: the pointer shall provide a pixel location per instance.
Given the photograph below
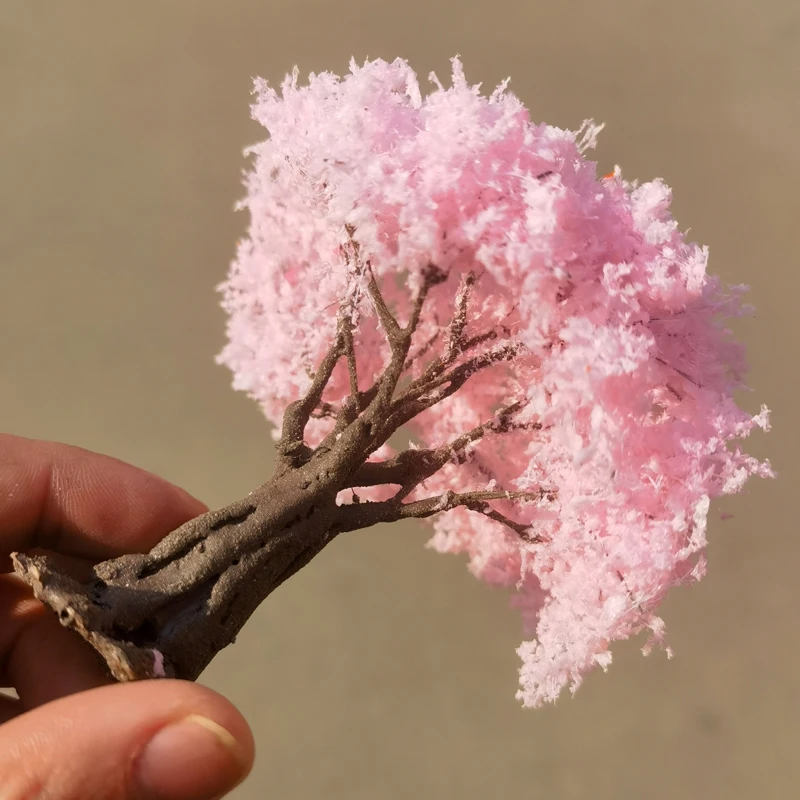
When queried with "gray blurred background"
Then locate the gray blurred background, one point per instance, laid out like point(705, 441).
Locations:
point(384, 670)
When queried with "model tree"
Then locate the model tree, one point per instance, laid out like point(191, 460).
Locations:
point(441, 268)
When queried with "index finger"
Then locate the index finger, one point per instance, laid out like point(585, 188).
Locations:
point(66, 499)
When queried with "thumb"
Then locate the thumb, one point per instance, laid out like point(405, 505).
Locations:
point(159, 740)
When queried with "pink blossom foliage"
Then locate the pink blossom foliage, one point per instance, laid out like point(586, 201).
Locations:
point(627, 371)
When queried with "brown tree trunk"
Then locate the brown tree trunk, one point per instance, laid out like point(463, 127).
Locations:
point(168, 612)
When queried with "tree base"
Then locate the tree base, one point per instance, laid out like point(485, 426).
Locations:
point(76, 610)
point(167, 613)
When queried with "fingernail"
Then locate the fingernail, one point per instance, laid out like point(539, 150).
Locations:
point(191, 759)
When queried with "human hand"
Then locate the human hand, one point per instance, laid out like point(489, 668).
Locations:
point(74, 734)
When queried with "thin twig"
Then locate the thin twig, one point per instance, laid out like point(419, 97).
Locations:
point(455, 331)
point(415, 357)
point(524, 531)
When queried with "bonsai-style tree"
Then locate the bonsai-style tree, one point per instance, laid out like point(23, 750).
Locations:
point(441, 266)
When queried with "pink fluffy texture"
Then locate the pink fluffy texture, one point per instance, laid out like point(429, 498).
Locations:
point(628, 370)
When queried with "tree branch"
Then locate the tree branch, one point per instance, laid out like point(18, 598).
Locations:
point(456, 344)
point(506, 351)
point(455, 331)
point(409, 468)
point(350, 352)
point(297, 413)
point(364, 515)
point(524, 531)
point(417, 398)
point(399, 338)
point(384, 415)
point(431, 276)
point(392, 329)
point(412, 359)
point(346, 415)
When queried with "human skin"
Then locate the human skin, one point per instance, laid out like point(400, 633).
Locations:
point(75, 733)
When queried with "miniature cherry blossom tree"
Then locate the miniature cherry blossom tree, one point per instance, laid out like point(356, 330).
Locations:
point(441, 266)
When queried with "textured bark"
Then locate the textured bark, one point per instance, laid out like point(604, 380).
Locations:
point(168, 612)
